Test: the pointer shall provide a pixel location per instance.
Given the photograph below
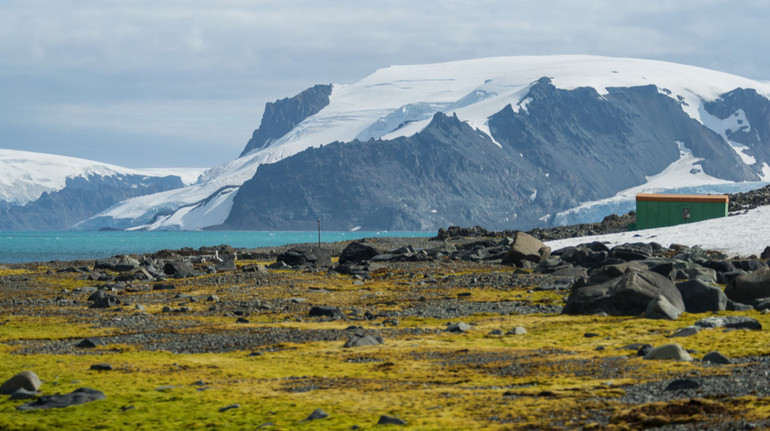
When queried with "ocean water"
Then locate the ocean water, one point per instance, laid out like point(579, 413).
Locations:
point(70, 245)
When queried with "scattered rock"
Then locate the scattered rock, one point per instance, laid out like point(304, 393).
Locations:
point(716, 358)
point(390, 420)
point(357, 252)
point(734, 322)
point(230, 407)
point(327, 311)
point(458, 327)
point(748, 287)
point(101, 367)
point(87, 343)
point(317, 414)
point(76, 397)
point(27, 380)
point(102, 299)
point(359, 340)
point(669, 351)
point(682, 385)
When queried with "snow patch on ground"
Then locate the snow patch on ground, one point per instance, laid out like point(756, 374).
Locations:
point(741, 235)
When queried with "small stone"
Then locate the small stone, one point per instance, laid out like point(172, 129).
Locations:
point(495, 332)
point(644, 349)
point(242, 320)
point(716, 358)
point(87, 343)
point(459, 327)
point(101, 367)
point(390, 420)
point(685, 332)
point(359, 340)
point(682, 385)
point(230, 407)
point(212, 298)
point(519, 330)
point(317, 414)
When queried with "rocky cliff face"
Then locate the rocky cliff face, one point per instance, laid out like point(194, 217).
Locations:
point(562, 148)
point(80, 199)
point(750, 122)
point(282, 115)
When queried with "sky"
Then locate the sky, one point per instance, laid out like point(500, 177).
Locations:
point(183, 83)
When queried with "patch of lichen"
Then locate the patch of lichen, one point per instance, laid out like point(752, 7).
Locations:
point(552, 377)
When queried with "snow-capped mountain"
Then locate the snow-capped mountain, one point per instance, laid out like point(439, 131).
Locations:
point(46, 191)
point(540, 135)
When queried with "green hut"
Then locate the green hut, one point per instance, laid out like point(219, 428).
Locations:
point(654, 210)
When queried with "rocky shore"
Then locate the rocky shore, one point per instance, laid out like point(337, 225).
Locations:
point(468, 330)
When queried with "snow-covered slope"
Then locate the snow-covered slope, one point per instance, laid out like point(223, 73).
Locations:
point(401, 100)
point(740, 235)
point(25, 175)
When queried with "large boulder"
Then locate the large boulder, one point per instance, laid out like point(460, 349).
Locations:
point(26, 380)
point(526, 248)
point(701, 297)
point(357, 252)
point(748, 287)
point(627, 295)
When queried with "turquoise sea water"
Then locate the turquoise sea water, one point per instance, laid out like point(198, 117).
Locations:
point(46, 246)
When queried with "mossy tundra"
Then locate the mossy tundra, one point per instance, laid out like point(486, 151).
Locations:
point(178, 369)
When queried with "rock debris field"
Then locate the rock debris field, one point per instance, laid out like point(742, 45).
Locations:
point(468, 330)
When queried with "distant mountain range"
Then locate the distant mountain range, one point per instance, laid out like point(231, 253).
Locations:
point(49, 192)
point(507, 143)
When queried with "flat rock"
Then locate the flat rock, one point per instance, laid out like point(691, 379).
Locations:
point(669, 351)
point(359, 340)
point(76, 397)
point(390, 420)
point(27, 380)
point(682, 385)
point(734, 322)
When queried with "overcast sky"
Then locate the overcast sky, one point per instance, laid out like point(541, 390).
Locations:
point(164, 83)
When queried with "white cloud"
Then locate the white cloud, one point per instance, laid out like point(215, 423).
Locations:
point(159, 67)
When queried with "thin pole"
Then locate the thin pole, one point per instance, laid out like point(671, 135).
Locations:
point(319, 232)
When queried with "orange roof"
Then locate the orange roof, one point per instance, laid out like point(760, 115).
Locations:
point(682, 198)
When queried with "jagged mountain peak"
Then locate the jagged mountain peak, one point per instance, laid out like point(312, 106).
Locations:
point(399, 101)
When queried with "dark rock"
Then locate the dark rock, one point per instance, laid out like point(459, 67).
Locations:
point(749, 265)
point(716, 358)
point(627, 295)
point(102, 299)
point(661, 308)
point(737, 306)
point(644, 349)
point(748, 287)
point(390, 420)
point(627, 252)
point(357, 252)
point(179, 269)
point(685, 332)
point(230, 407)
point(765, 253)
point(666, 269)
point(727, 277)
point(359, 340)
point(719, 265)
point(315, 415)
point(242, 320)
point(76, 397)
point(27, 380)
point(101, 367)
point(163, 286)
point(682, 385)
point(700, 297)
point(459, 327)
point(327, 311)
point(125, 264)
point(87, 343)
point(301, 257)
point(23, 394)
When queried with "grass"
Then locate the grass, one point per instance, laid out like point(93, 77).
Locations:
point(552, 377)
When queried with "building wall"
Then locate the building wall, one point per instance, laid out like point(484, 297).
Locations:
point(650, 213)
